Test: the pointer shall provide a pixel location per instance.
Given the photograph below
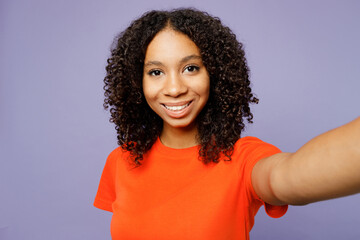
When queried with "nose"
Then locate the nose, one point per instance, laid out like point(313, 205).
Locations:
point(174, 85)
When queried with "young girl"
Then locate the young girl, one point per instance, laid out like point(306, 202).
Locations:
point(178, 89)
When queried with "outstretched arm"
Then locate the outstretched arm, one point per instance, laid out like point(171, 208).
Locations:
point(326, 167)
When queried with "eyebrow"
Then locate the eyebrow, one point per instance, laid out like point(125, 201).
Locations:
point(183, 60)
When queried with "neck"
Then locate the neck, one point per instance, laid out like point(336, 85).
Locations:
point(179, 137)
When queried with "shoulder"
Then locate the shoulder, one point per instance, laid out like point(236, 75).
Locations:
point(251, 142)
point(253, 147)
point(116, 155)
point(247, 140)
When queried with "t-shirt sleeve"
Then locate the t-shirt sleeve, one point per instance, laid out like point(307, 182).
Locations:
point(106, 193)
point(255, 150)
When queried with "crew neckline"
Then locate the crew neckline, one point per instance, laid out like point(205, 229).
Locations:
point(174, 152)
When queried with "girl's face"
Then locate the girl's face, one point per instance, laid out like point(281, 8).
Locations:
point(175, 82)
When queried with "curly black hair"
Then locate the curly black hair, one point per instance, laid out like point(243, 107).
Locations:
point(220, 122)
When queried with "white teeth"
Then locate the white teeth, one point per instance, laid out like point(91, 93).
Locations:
point(176, 108)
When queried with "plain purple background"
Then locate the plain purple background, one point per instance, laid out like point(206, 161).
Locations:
point(55, 136)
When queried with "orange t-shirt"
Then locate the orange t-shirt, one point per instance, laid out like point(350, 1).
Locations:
point(173, 195)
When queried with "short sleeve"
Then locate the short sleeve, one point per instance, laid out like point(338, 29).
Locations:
point(106, 193)
point(253, 149)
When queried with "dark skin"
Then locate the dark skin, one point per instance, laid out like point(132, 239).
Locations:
point(176, 86)
point(326, 167)
point(220, 122)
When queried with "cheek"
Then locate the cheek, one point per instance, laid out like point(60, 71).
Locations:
point(204, 88)
point(147, 90)
point(207, 91)
point(150, 101)
point(150, 94)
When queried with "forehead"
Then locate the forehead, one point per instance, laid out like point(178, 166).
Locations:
point(169, 44)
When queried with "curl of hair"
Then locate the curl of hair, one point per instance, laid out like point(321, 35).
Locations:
point(221, 121)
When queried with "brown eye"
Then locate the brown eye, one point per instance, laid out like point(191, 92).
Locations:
point(191, 68)
point(155, 73)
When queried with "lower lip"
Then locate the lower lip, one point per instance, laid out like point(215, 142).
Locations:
point(179, 113)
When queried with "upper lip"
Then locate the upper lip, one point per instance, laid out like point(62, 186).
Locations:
point(174, 104)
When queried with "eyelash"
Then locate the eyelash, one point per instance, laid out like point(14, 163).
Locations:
point(152, 72)
point(195, 68)
point(157, 72)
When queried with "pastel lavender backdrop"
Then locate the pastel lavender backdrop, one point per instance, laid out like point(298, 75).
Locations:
point(55, 136)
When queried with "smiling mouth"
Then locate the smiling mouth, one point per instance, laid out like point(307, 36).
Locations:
point(177, 108)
